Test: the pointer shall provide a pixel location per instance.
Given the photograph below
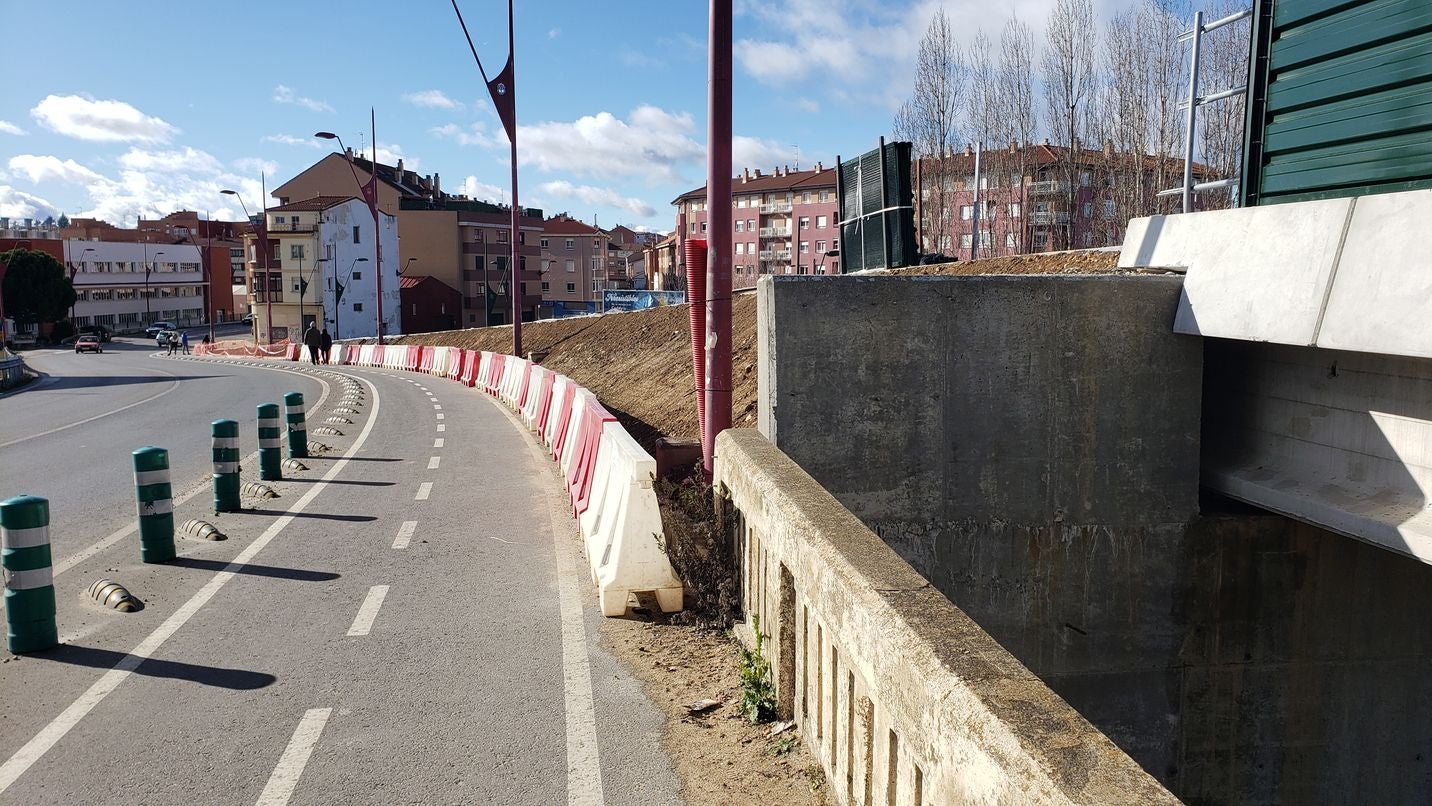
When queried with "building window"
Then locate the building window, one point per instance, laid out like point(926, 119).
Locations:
point(295, 251)
point(546, 286)
point(571, 265)
point(1009, 240)
point(1041, 240)
point(521, 237)
point(805, 247)
point(740, 225)
point(820, 247)
point(357, 237)
point(966, 240)
point(821, 221)
point(803, 222)
point(740, 201)
point(703, 227)
point(1015, 180)
point(236, 252)
point(543, 243)
point(357, 307)
point(595, 287)
point(572, 243)
point(357, 275)
point(571, 288)
point(1083, 179)
point(967, 211)
point(502, 236)
point(1088, 209)
point(1014, 210)
point(1108, 208)
point(278, 219)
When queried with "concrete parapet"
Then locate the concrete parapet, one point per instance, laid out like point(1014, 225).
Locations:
point(897, 690)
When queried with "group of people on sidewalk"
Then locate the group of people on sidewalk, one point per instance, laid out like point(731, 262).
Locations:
point(319, 344)
point(180, 341)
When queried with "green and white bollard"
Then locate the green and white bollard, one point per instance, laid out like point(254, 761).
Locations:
point(270, 443)
point(155, 496)
point(225, 434)
point(29, 582)
point(297, 427)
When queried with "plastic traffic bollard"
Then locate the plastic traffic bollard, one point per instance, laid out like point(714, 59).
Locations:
point(154, 497)
point(225, 435)
point(270, 443)
point(29, 582)
point(294, 412)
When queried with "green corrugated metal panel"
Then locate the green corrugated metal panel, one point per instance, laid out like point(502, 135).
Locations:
point(1340, 99)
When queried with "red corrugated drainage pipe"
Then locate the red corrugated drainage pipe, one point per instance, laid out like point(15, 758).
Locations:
point(696, 296)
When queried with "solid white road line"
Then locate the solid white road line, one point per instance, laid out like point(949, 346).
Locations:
point(368, 611)
point(174, 384)
point(433, 462)
point(295, 757)
point(424, 490)
point(405, 534)
point(36, 748)
point(438, 443)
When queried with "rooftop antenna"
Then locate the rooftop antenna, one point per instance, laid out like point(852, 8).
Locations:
point(797, 147)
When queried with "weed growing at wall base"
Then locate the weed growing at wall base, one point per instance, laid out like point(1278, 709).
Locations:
point(758, 694)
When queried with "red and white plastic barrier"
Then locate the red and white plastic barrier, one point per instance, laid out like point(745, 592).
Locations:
point(607, 473)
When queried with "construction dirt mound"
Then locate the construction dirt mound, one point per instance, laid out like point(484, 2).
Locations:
point(639, 363)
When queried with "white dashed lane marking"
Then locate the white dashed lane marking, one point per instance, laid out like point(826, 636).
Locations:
point(433, 462)
point(295, 757)
point(405, 534)
point(424, 490)
point(438, 443)
point(368, 611)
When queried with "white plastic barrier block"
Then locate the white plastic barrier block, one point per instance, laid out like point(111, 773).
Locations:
point(365, 355)
point(534, 395)
point(484, 378)
point(561, 397)
point(512, 381)
point(569, 452)
point(622, 527)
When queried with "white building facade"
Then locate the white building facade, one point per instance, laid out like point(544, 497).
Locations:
point(128, 286)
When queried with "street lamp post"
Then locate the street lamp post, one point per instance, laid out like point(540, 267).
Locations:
point(261, 244)
point(148, 269)
point(75, 267)
point(303, 286)
point(370, 195)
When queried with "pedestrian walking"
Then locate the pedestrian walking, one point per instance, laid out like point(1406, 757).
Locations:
point(325, 344)
point(173, 342)
point(312, 340)
point(184, 341)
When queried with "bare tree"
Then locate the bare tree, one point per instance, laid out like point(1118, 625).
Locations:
point(1224, 65)
point(1168, 81)
point(981, 123)
point(1068, 67)
point(930, 120)
point(1016, 116)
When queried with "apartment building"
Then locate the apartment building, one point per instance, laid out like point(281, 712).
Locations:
point(785, 222)
point(1028, 203)
point(464, 243)
point(320, 264)
point(575, 265)
point(222, 246)
point(663, 268)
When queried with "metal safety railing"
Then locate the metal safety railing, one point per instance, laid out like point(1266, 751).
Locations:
point(1189, 187)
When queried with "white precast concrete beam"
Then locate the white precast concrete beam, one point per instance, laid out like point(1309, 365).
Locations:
point(1256, 273)
point(1382, 293)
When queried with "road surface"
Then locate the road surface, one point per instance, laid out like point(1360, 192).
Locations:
point(409, 622)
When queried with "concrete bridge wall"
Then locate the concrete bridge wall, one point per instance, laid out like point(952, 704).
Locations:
point(1031, 446)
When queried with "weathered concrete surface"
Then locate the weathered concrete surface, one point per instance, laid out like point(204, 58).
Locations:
point(1019, 399)
point(896, 690)
point(1339, 439)
point(1237, 657)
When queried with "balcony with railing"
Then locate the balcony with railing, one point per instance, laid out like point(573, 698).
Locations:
point(1048, 188)
point(260, 295)
point(775, 254)
point(776, 207)
point(1048, 219)
point(775, 232)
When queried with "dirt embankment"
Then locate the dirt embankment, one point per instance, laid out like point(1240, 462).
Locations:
point(638, 364)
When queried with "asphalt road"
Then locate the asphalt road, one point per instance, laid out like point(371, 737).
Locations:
point(409, 622)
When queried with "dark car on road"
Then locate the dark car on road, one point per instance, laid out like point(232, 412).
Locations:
point(88, 342)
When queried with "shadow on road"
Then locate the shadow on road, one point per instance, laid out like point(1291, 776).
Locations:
point(344, 481)
point(69, 382)
point(315, 515)
point(240, 679)
point(355, 458)
point(276, 572)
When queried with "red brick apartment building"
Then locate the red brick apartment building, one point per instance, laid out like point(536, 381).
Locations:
point(575, 265)
point(1028, 203)
point(784, 222)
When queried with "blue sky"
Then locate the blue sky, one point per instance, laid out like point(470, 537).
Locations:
point(116, 110)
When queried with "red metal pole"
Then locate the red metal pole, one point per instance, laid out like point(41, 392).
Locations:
point(718, 217)
point(516, 265)
point(377, 224)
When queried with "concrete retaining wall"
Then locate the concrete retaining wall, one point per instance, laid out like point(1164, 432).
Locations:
point(900, 695)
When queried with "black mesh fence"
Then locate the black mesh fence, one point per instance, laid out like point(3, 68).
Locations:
point(877, 216)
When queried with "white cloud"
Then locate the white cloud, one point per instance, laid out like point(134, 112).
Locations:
point(45, 168)
point(6, 127)
point(100, 121)
point(290, 140)
point(19, 204)
point(255, 165)
point(808, 105)
point(598, 196)
point(750, 152)
point(189, 159)
point(652, 144)
point(390, 153)
point(473, 188)
point(432, 99)
point(554, 33)
point(286, 95)
point(475, 134)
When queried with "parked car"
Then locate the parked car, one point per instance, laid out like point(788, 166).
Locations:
point(164, 337)
point(248, 319)
point(158, 327)
point(88, 342)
